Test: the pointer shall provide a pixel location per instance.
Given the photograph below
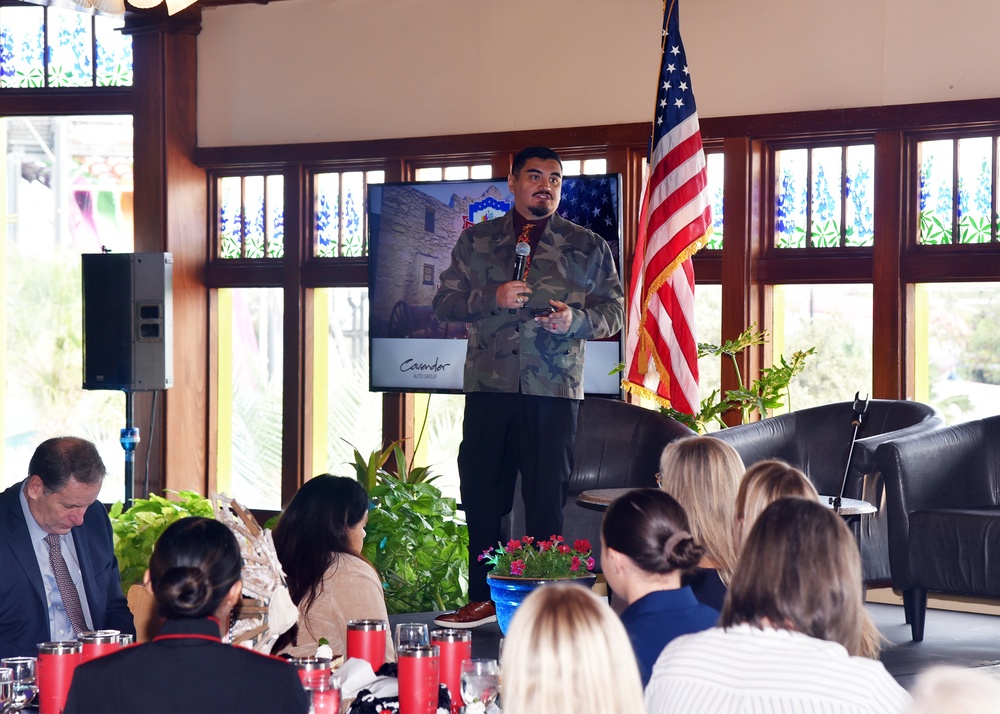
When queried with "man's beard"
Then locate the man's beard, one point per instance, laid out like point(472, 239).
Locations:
point(539, 211)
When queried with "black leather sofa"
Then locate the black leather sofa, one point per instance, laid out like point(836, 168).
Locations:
point(817, 441)
point(943, 492)
point(618, 445)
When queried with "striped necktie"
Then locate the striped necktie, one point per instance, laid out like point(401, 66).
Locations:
point(68, 591)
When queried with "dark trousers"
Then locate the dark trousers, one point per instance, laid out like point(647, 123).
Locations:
point(504, 434)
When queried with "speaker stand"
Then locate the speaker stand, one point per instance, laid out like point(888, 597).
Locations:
point(129, 438)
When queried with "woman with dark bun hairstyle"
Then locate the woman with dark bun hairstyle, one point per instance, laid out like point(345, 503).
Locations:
point(194, 574)
point(646, 547)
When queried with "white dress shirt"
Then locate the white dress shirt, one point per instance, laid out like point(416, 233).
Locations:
point(749, 669)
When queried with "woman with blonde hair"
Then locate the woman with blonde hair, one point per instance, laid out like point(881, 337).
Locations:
point(763, 484)
point(566, 652)
point(788, 631)
point(703, 474)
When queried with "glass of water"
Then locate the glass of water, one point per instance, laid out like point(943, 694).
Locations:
point(480, 680)
point(23, 680)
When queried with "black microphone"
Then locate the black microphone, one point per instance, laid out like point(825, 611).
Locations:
point(522, 251)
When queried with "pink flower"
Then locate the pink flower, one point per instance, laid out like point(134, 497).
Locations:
point(581, 545)
point(485, 554)
point(513, 545)
point(564, 549)
point(590, 563)
point(527, 540)
point(575, 565)
point(517, 567)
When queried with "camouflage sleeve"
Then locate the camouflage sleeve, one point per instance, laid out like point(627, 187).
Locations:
point(458, 300)
point(603, 313)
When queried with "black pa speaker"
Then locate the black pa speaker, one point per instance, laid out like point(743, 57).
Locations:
point(128, 321)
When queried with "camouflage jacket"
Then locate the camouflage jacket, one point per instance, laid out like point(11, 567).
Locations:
point(570, 264)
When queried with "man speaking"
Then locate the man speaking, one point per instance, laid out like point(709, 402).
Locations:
point(530, 312)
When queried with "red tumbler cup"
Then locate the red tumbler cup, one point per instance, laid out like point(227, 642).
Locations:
point(54, 673)
point(313, 671)
point(97, 643)
point(456, 645)
point(366, 640)
point(324, 696)
point(419, 676)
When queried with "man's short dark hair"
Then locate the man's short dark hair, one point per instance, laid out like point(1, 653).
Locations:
point(57, 460)
point(533, 152)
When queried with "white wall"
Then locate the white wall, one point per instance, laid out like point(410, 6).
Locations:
point(300, 71)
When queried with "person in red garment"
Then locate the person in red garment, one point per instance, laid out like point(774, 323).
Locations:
point(195, 577)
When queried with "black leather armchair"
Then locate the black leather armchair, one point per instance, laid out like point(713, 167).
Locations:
point(943, 492)
point(817, 441)
point(618, 445)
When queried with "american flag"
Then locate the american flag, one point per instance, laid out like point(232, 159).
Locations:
point(661, 353)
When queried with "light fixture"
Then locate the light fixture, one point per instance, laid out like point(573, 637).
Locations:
point(117, 7)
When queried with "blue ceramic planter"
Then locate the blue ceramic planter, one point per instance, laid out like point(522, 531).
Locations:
point(509, 592)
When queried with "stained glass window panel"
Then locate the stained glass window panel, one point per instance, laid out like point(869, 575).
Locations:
point(230, 217)
point(826, 177)
point(716, 179)
point(70, 49)
point(253, 199)
point(275, 216)
point(351, 217)
point(860, 198)
point(791, 196)
point(481, 171)
point(936, 195)
point(114, 53)
point(975, 189)
point(22, 42)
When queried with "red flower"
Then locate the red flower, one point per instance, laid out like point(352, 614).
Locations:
point(513, 545)
point(544, 545)
point(590, 563)
point(556, 538)
point(517, 567)
point(564, 549)
point(575, 565)
point(581, 545)
point(527, 540)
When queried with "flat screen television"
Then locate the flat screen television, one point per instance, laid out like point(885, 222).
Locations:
point(412, 230)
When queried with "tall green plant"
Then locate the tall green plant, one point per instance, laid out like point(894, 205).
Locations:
point(765, 394)
point(414, 537)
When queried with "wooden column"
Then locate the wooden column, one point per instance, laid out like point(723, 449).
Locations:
point(170, 200)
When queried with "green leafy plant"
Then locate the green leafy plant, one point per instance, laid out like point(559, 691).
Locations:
point(527, 558)
point(136, 530)
point(763, 395)
point(414, 538)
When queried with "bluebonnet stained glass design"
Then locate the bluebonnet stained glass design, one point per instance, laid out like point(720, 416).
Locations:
point(71, 36)
point(339, 202)
point(957, 208)
point(22, 33)
point(824, 197)
point(251, 217)
point(715, 165)
point(70, 54)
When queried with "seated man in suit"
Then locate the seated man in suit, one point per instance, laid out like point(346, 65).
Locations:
point(59, 572)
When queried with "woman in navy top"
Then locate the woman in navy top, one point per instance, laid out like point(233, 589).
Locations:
point(645, 548)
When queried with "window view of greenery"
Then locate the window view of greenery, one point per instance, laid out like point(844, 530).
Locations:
point(250, 394)
point(68, 38)
point(837, 321)
point(969, 216)
point(68, 192)
point(824, 197)
point(958, 348)
point(346, 415)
